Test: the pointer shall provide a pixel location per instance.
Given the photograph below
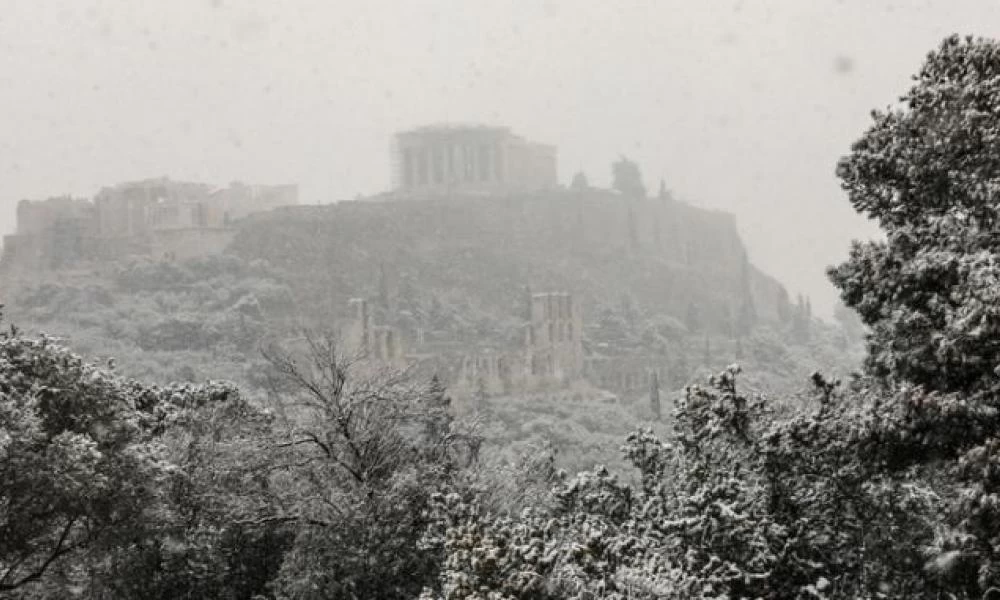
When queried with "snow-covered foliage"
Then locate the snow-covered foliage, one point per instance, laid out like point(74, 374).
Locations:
point(929, 174)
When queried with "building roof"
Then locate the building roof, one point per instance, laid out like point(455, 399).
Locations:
point(446, 128)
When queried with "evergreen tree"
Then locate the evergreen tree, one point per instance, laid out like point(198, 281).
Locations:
point(633, 232)
point(629, 311)
point(654, 396)
point(408, 296)
point(928, 174)
point(692, 318)
point(801, 321)
point(526, 304)
point(627, 178)
point(729, 322)
point(783, 306)
point(481, 395)
point(384, 295)
point(437, 393)
point(438, 399)
point(746, 317)
point(679, 370)
point(663, 193)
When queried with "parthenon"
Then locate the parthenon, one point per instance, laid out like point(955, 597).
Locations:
point(441, 158)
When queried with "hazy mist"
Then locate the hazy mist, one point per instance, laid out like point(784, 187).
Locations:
point(740, 106)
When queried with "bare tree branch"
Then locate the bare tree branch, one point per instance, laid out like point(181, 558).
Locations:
point(59, 550)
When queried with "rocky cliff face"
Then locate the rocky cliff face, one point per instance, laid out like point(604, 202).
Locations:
point(665, 256)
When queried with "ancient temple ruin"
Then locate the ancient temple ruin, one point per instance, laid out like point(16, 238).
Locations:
point(366, 340)
point(470, 158)
point(551, 355)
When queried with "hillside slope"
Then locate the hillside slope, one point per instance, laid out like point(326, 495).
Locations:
point(659, 284)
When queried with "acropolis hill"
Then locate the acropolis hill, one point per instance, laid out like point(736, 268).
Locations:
point(475, 221)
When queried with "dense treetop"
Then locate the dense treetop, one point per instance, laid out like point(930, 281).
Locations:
point(929, 174)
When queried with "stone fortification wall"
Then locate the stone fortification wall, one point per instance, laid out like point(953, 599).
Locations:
point(157, 217)
point(182, 244)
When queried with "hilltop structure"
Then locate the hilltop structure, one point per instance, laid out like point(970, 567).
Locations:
point(469, 158)
point(157, 217)
point(550, 354)
point(365, 339)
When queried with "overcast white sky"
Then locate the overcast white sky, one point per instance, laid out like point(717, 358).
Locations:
point(739, 105)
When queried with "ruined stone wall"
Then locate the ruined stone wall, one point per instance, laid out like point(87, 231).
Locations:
point(531, 166)
point(240, 200)
point(40, 216)
point(50, 233)
point(625, 374)
point(490, 370)
point(363, 339)
point(138, 207)
point(121, 216)
point(21, 252)
point(554, 337)
point(551, 355)
point(158, 217)
point(182, 244)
